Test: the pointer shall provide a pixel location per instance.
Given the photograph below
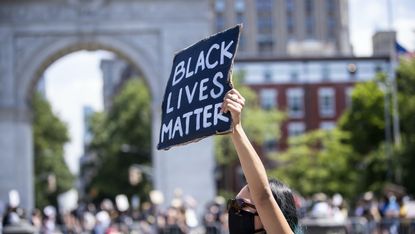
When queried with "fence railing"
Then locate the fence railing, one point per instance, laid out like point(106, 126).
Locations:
point(358, 225)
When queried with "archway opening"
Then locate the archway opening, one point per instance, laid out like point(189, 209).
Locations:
point(105, 103)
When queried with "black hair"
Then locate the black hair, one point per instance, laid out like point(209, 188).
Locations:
point(285, 199)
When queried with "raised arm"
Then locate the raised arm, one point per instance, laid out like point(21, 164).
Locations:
point(269, 212)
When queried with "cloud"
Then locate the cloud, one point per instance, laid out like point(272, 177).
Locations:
point(363, 23)
point(406, 33)
point(367, 17)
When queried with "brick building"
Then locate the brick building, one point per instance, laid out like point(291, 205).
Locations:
point(313, 91)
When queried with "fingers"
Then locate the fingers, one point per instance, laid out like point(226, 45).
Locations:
point(235, 96)
point(231, 105)
point(235, 107)
point(233, 99)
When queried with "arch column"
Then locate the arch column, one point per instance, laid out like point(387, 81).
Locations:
point(16, 153)
point(16, 167)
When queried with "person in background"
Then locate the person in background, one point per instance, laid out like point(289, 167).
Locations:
point(262, 205)
point(36, 219)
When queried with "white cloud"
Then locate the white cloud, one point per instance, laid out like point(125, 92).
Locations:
point(406, 32)
point(367, 17)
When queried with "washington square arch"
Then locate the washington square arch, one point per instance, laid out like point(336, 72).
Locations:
point(147, 33)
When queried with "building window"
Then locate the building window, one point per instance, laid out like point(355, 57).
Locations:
point(268, 98)
point(296, 129)
point(378, 68)
point(331, 27)
point(240, 18)
point(220, 22)
point(295, 97)
point(265, 47)
point(348, 98)
point(242, 42)
point(309, 6)
point(220, 5)
point(290, 18)
point(309, 24)
point(264, 23)
point(294, 77)
point(331, 6)
point(264, 5)
point(289, 4)
point(325, 72)
point(264, 26)
point(326, 98)
point(267, 76)
point(240, 6)
point(290, 26)
point(220, 15)
point(327, 125)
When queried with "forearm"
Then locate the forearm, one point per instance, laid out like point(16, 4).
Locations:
point(260, 191)
point(252, 166)
point(271, 215)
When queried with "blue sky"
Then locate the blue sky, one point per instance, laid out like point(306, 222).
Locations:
point(70, 89)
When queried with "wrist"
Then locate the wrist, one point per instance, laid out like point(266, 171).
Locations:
point(237, 129)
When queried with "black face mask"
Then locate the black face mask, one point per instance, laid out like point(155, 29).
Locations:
point(242, 222)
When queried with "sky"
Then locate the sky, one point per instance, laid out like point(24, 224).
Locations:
point(369, 16)
point(75, 80)
point(71, 83)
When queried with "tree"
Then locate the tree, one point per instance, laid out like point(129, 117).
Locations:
point(122, 138)
point(406, 97)
point(318, 161)
point(365, 120)
point(260, 125)
point(50, 134)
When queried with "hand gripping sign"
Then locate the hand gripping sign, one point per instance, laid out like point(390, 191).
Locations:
point(199, 80)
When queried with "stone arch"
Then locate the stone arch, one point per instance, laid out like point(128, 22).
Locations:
point(34, 34)
point(46, 55)
point(32, 65)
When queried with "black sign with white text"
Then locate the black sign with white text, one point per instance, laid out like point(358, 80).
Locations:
point(199, 80)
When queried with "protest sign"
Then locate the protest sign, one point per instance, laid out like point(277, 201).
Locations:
point(199, 80)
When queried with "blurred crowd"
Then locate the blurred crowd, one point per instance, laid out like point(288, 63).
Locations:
point(391, 213)
point(369, 215)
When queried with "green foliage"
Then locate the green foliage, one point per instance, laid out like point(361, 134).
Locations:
point(365, 120)
point(122, 137)
point(259, 124)
point(49, 135)
point(373, 170)
point(406, 97)
point(318, 161)
point(366, 125)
